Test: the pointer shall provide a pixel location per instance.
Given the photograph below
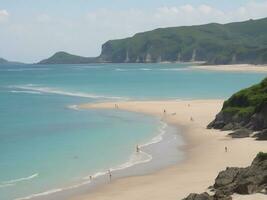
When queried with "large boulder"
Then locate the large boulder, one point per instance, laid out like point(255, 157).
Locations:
point(202, 196)
point(247, 180)
point(259, 120)
point(206, 196)
point(240, 133)
point(262, 135)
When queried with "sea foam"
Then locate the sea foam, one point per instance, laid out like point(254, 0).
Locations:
point(49, 90)
point(135, 159)
point(13, 182)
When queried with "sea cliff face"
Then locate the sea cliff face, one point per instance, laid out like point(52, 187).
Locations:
point(240, 42)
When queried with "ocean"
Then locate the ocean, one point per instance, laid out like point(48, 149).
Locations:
point(49, 146)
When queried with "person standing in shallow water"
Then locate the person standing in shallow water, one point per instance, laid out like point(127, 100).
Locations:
point(137, 149)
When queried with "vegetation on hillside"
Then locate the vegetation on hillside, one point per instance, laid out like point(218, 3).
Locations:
point(240, 42)
point(247, 101)
point(66, 58)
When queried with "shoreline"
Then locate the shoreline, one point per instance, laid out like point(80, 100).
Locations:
point(195, 173)
point(149, 160)
point(247, 68)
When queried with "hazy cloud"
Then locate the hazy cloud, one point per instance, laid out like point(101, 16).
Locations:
point(3, 15)
point(84, 34)
point(43, 18)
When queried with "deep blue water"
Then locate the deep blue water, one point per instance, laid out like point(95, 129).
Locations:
point(46, 144)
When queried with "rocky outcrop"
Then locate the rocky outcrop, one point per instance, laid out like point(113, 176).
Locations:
point(233, 121)
point(206, 196)
point(252, 179)
point(262, 135)
point(248, 180)
point(202, 196)
point(245, 109)
point(241, 133)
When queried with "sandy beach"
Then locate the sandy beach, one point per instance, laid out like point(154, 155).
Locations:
point(233, 68)
point(204, 151)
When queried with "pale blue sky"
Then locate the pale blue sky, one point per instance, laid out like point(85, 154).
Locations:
point(31, 30)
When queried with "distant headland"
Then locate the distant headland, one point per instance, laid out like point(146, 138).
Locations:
point(232, 43)
point(213, 44)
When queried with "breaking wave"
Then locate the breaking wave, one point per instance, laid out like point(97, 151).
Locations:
point(37, 89)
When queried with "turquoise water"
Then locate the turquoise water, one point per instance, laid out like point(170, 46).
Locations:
point(47, 144)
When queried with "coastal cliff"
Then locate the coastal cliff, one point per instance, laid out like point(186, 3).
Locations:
point(240, 42)
point(246, 109)
point(233, 43)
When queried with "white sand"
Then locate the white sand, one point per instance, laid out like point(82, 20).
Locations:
point(234, 68)
point(205, 155)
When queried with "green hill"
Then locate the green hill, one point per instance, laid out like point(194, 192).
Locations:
point(240, 42)
point(6, 62)
point(3, 61)
point(66, 58)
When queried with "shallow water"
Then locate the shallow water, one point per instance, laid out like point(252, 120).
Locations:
point(46, 144)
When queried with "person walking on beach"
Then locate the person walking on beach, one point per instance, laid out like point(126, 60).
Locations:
point(191, 119)
point(164, 111)
point(110, 175)
point(225, 149)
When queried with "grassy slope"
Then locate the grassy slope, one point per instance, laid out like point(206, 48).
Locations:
point(66, 58)
point(248, 101)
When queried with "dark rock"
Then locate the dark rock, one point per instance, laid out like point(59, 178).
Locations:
point(216, 124)
point(259, 119)
point(228, 127)
point(252, 179)
point(202, 196)
point(241, 133)
point(262, 135)
point(219, 195)
point(226, 177)
point(206, 196)
point(243, 180)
